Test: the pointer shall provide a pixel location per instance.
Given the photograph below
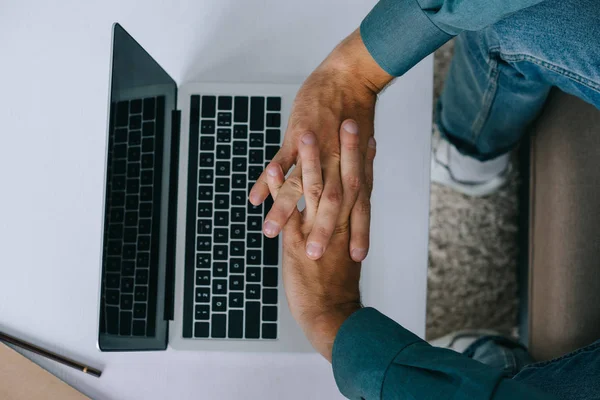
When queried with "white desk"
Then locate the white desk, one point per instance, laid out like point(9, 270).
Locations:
point(53, 101)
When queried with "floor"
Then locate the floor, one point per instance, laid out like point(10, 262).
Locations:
point(473, 252)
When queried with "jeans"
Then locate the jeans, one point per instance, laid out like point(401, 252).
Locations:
point(575, 376)
point(500, 76)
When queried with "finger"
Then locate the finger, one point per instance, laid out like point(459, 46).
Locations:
point(351, 167)
point(312, 175)
point(285, 201)
point(360, 218)
point(327, 214)
point(275, 178)
point(260, 190)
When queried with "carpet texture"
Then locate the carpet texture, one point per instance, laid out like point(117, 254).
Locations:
point(473, 252)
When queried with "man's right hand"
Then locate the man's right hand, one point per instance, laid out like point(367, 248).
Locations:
point(344, 86)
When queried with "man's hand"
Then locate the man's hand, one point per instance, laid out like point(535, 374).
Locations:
point(323, 293)
point(344, 85)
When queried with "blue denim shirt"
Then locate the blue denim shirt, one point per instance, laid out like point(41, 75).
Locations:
point(400, 33)
point(375, 358)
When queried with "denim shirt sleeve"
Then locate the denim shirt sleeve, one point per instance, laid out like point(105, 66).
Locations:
point(400, 33)
point(375, 358)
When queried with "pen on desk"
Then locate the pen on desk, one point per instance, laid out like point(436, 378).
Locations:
point(52, 356)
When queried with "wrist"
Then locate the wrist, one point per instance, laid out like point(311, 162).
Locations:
point(323, 327)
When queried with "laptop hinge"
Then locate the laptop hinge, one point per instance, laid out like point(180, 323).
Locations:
point(172, 216)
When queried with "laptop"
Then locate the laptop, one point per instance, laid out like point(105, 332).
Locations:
point(184, 262)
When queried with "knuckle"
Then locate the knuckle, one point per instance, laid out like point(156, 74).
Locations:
point(344, 227)
point(334, 196)
point(324, 231)
point(352, 182)
point(295, 183)
point(315, 191)
point(363, 207)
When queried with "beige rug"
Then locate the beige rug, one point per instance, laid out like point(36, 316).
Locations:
point(473, 252)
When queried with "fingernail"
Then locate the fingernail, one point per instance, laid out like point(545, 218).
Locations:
point(314, 250)
point(351, 127)
point(309, 138)
point(372, 142)
point(359, 254)
point(272, 170)
point(271, 228)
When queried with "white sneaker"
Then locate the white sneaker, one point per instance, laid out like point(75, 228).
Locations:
point(467, 175)
point(459, 341)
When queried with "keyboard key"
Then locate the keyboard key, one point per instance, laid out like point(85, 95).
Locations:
point(147, 161)
point(207, 127)
point(270, 152)
point(139, 328)
point(112, 296)
point(125, 323)
point(129, 252)
point(236, 324)
point(147, 177)
point(112, 320)
point(220, 270)
point(150, 108)
point(203, 243)
point(254, 223)
point(252, 324)
point(208, 106)
point(253, 274)
point(203, 277)
point(140, 293)
point(221, 235)
point(223, 152)
point(203, 295)
point(113, 264)
point(240, 148)
point(223, 168)
point(148, 145)
point(238, 231)
point(256, 157)
point(205, 193)
point(269, 331)
point(139, 310)
point(130, 235)
point(207, 143)
point(145, 225)
point(218, 325)
point(135, 122)
point(148, 129)
point(127, 285)
point(240, 109)
point(273, 136)
point(273, 120)
point(115, 231)
point(236, 282)
point(225, 102)
point(253, 257)
point(238, 181)
point(207, 160)
point(224, 119)
point(269, 313)
point(238, 214)
point(117, 199)
point(236, 265)
point(223, 135)
point(143, 260)
point(219, 286)
point(257, 113)
point(131, 218)
point(255, 210)
point(274, 103)
point(222, 185)
point(236, 299)
point(270, 251)
point(120, 167)
point(254, 172)
point(203, 260)
point(205, 226)
point(221, 218)
point(126, 301)
point(220, 253)
point(121, 135)
point(144, 242)
point(135, 138)
point(221, 202)
point(237, 248)
point(118, 183)
point(254, 240)
point(132, 201)
point(269, 296)
point(257, 140)
point(201, 329)
point(240, 131)
point(204, 210)
point(219, 303)
point(239, 164)
point(238, 198)
point(270, 277)
point(202, 312)
point(205, 175)
point(141, 276)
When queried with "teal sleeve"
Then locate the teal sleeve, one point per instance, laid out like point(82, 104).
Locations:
point(400, 33)
point(375, 358)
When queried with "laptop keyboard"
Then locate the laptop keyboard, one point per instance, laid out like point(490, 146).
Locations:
point(231, 275)
point(130, 262)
